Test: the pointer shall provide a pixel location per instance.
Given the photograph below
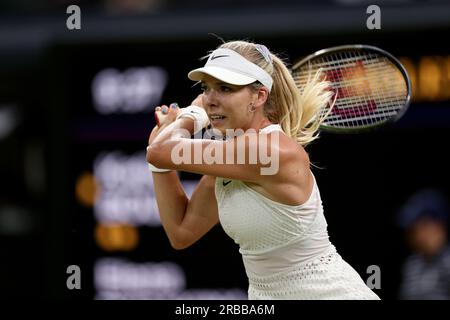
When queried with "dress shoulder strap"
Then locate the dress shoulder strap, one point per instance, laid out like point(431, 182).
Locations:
point(271, 128)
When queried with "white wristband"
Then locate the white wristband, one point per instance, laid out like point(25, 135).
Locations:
point(152, 168)
point(197, 114)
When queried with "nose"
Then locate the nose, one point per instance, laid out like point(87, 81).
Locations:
point(210, 98)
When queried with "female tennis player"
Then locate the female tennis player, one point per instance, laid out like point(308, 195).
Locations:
point(275, 215)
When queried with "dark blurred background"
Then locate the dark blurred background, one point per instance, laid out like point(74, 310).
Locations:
point(76, 107)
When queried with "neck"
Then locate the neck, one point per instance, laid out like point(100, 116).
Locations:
point(260, 123)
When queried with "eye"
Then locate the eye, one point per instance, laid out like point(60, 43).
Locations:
point(203, 87)
point(225, 89)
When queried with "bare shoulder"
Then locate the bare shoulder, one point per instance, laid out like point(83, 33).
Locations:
point(292, 154)
point(292, 184)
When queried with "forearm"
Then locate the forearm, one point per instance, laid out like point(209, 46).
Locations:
point(172, 202)
point(159, 151)
point(179, 216)
point(181, 128)
point(170, 196)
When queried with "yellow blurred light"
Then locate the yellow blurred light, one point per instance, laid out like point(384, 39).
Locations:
point(429, 78)
point(446, 78)
point(116, 237)
point(86, 189)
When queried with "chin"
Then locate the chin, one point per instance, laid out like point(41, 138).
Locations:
point(217, 130)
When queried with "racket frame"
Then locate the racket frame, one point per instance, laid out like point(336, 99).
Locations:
point(348, 47)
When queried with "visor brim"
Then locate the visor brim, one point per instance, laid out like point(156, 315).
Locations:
point(225, 75)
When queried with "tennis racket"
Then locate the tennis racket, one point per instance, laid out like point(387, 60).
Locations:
point(371, 86)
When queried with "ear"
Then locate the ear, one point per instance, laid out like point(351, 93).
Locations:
point(262, 95)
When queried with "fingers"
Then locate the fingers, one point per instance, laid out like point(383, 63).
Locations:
point(158, 117)
point(174, 108)
point(167, 109)
point(165, 114)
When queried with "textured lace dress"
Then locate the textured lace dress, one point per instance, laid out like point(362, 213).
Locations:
point(285, 249)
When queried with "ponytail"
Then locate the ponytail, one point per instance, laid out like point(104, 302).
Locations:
point(301, 110)
point(298, 111)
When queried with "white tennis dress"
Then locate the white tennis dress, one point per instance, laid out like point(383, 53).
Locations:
point(285, 249)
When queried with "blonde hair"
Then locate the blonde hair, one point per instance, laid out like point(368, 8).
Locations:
point(298, 112)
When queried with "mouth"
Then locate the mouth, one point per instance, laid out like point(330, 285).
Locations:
point(216, 119)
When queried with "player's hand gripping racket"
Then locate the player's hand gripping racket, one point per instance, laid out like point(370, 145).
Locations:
point(160, 117)
point(372, 86)
point(194, 112)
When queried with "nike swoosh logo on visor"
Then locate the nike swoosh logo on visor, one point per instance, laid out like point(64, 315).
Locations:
point(221, 56)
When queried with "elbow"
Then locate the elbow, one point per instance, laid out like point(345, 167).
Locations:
point(177, 244)
point(179, 240)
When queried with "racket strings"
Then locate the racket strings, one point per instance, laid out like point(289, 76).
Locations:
point(370, 88)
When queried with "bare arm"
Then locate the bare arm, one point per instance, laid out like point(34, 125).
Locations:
point(201, 213)
point(184, 221)
point(174, 149)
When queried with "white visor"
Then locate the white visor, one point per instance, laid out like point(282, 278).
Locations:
point(230, 67)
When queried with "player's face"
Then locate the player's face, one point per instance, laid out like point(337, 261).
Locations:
point(226, 104)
